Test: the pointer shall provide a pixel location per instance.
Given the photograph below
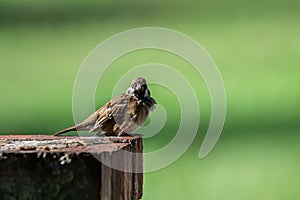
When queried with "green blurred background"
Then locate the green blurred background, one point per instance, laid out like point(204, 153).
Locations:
point(255, 44)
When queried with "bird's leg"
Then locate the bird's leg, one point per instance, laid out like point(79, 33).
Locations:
point(99, 134)
point(122, 134)
point(109, 134)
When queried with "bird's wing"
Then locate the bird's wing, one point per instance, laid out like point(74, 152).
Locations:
point(113, 112)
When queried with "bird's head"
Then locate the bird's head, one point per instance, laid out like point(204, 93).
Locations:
point(139, 89)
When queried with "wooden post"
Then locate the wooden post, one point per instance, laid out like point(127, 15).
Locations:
point(48, 167)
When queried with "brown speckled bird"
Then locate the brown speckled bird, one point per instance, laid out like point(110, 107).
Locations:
point(122, 115)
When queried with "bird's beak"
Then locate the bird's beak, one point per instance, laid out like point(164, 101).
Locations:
point(138, 87)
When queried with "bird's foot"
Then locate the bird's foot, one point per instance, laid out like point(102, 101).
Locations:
point(110, 134)
point(125, 135)
point(118, 135)
point(99, 135)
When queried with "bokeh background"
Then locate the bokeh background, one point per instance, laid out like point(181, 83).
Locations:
point(255, 44)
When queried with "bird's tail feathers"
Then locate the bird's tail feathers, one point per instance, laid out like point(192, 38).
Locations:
point(72, 128)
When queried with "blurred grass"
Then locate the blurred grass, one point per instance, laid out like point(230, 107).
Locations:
point(254, 44)
point(252, 166)
point(39, 64)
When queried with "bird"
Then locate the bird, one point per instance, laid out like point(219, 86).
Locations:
point(122, 115)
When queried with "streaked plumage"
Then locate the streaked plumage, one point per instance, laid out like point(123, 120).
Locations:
point(122, 115)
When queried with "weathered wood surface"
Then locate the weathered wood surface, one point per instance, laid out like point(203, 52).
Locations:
point(47, 167)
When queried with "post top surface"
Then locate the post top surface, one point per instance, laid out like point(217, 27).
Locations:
point(26, 144)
